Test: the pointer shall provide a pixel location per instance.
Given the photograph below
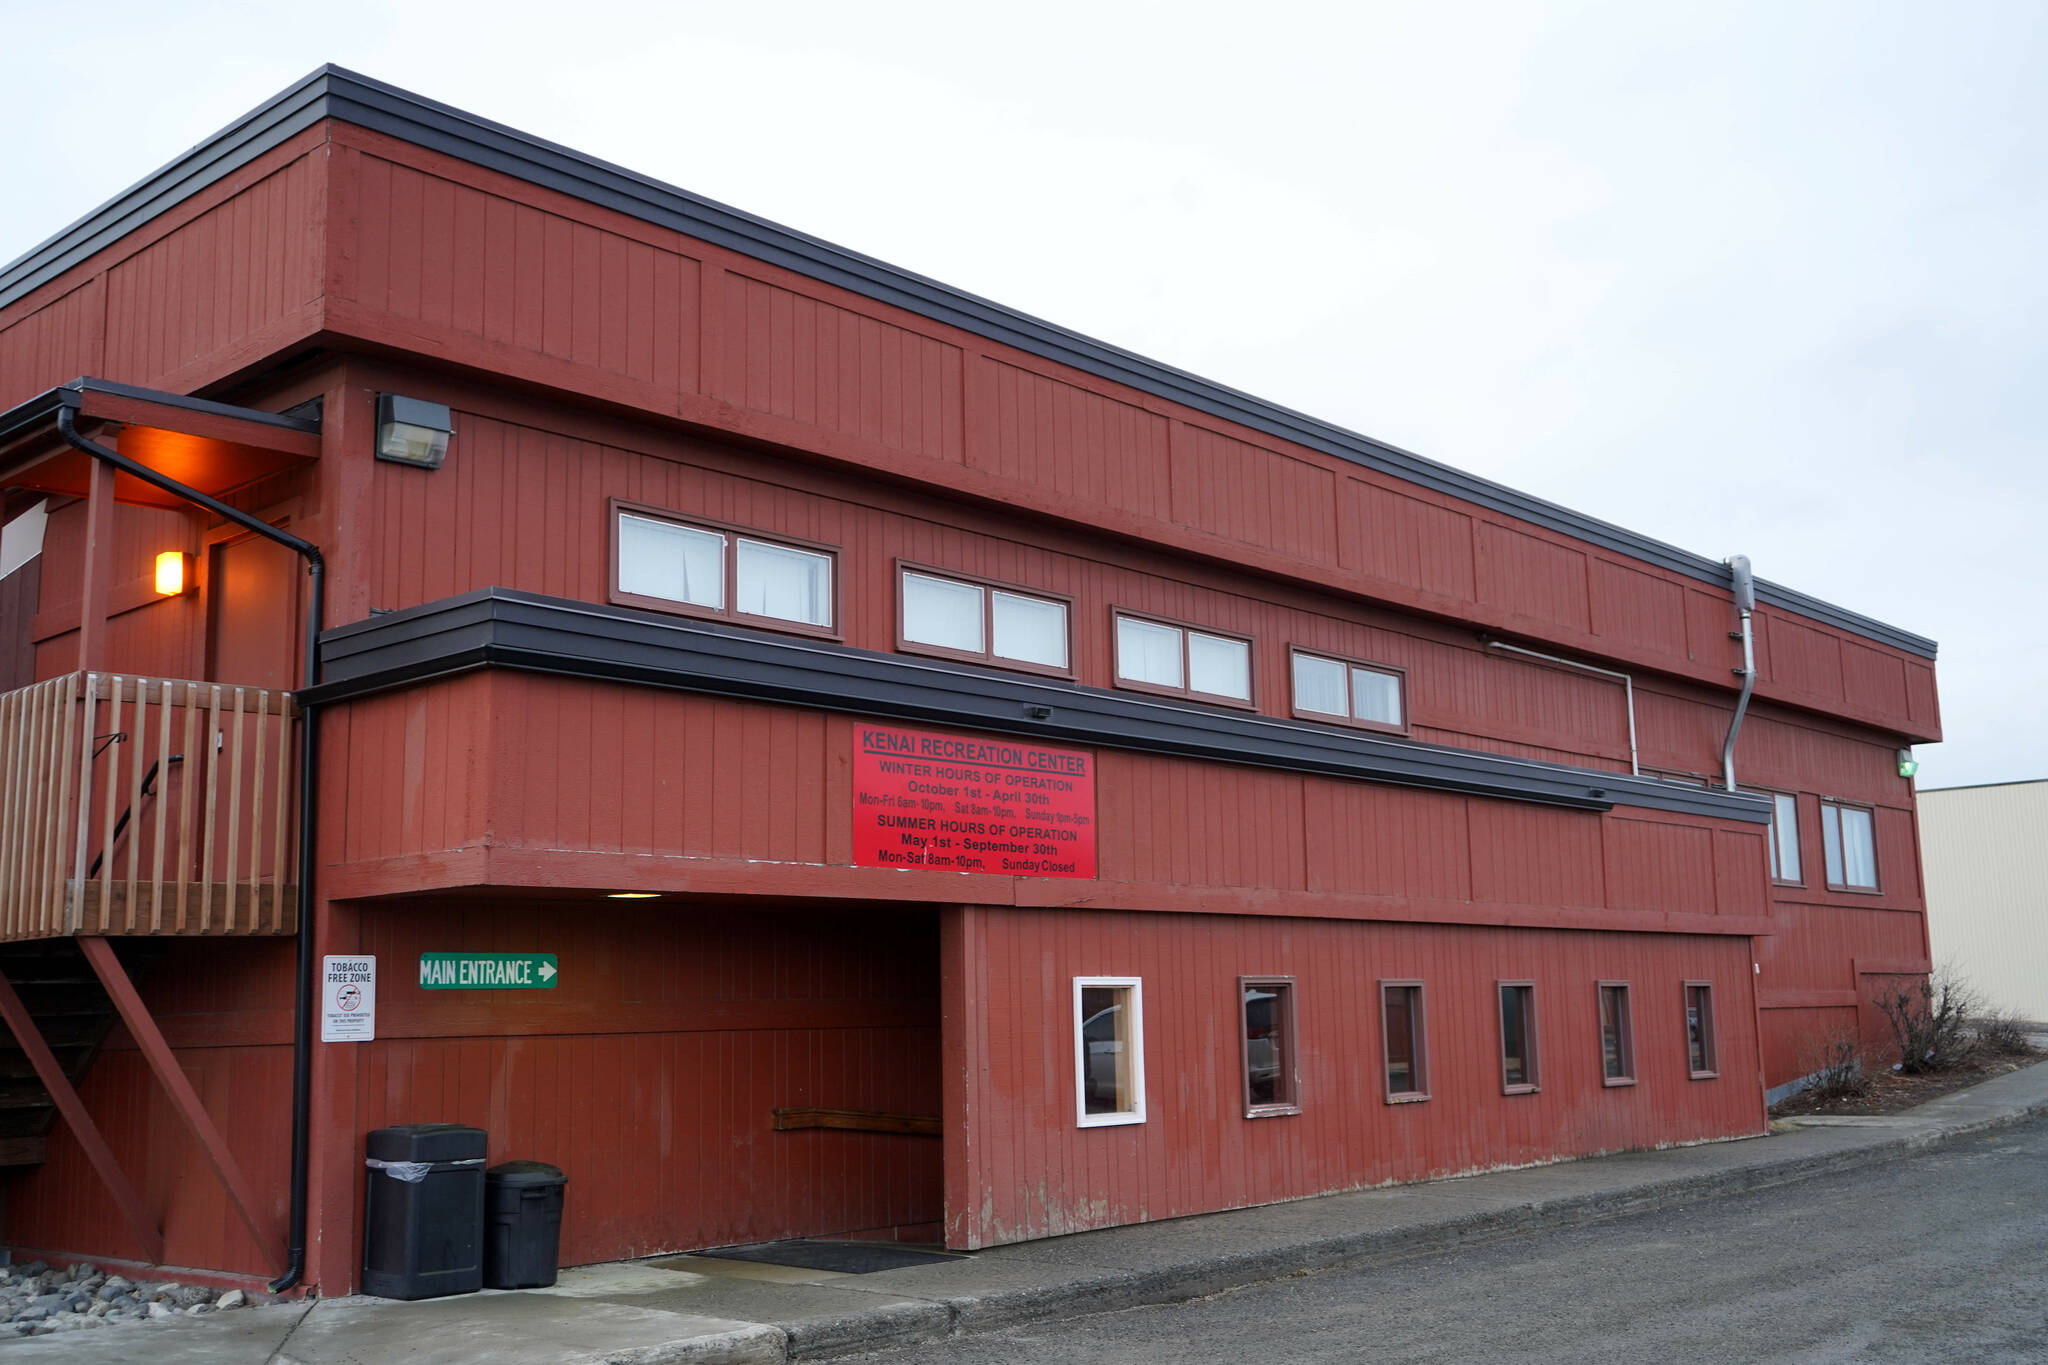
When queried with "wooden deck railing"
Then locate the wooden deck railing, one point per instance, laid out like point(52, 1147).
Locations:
point(146, 806)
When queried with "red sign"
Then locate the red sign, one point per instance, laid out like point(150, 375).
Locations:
point(971, 805)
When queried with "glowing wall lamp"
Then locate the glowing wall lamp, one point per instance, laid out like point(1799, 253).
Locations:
point(412, 430)
point(173, 572)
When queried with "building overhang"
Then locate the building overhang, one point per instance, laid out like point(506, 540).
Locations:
point(500, 628)
point(213, 447)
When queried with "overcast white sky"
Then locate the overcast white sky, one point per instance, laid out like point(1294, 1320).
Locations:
point(1746, 277)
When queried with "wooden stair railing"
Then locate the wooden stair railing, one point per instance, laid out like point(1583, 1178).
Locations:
point(142, 806)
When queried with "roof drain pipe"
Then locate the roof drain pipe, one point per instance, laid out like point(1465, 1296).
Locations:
point(302, 999)
point(1744, 585)
point(1628, 687)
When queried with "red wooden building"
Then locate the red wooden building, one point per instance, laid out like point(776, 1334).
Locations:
point(974, 783)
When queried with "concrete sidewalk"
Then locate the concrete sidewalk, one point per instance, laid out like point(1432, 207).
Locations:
point(701, 1308)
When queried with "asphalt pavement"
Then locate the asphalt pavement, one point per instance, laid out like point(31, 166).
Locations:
point(1939, 1257)
point(1914, 1236)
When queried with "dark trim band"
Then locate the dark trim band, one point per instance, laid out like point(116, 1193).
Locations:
point(498, 628)
point(332, 92)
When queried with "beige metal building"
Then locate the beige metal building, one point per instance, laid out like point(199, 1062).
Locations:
point(1986, 855)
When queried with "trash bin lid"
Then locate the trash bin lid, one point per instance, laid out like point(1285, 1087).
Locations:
point(525, 1173)
point(427, 1142)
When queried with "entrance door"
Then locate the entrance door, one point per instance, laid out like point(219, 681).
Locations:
point(252, 637)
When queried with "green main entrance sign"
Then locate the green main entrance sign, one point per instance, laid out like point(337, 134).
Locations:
point(488, 971)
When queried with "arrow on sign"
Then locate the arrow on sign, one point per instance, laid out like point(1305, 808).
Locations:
point(547, 971)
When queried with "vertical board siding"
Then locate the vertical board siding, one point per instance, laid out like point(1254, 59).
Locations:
point(798, 357)
point(564, 765)
point(1406, 540)
point(1525, 575)
point(649, 1075)
point(651, 1072)
point(435, 256)
point(1795, 1040)
point(1536, 855)
point(1197, 824)
point(1387, 841)
point(432, 251)
point(582, 285)
point(1812, 946)
point(519, 507)
point(232, 270)
point(1803, 659)
point(164, 637)
point(1031, 1172)
point(417, 765)
point(19, 592)
point(1922, 701)
point(1254, 495)
point(1641, 608)
point(1659, 866)
point(1044, 433)
point(53, 345)
point(1873, 680)
point(628, 770)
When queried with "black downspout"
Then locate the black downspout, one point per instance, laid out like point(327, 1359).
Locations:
point(302, 1001)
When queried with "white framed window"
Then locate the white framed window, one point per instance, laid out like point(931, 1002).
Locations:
point(671, 561)
point(1350, 691)
point(783, 582)
point(1182, 660)
point(1109, 1050)
point(1785, 838)
point(704, 568)
point(968, 618)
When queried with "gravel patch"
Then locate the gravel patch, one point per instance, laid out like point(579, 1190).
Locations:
point(37, 1301)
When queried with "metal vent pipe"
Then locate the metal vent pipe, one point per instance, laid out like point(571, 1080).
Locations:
point(1743, 583)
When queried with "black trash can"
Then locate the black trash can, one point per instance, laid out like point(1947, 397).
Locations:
point(522, 1224)
point(423, 1214)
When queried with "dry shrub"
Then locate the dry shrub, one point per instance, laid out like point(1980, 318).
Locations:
point(1833, 1064)
point(1930, 1020)
point(2004, 1034)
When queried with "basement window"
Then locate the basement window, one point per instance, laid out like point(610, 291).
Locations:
point(1518, 1071)
point(1109, 1051)
point(1617, 1035)
point(1849, 840)
point(1403, 1042)
point(1699, 1030)
point(1268, 1030)
point(703, 568)
point(1183, 661)
point(1370, 696)
point(956, 617)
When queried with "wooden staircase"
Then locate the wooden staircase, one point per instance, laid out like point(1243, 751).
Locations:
point(71, 1009)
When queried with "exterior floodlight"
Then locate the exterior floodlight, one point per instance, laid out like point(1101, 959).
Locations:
point(412, 430)
point(1908, 765)
point(170, 573)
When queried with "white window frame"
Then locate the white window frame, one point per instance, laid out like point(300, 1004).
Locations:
point(1082, 1117)
point(1351, 667)
point(731, 535)
point(1187, 689)
point(990, 589)
point(1778, 833)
